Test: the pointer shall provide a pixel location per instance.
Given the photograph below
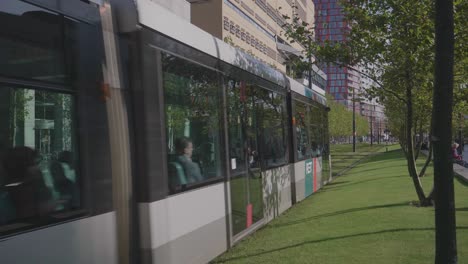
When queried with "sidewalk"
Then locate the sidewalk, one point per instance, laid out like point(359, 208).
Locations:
point(465, 153)
point(460, 171)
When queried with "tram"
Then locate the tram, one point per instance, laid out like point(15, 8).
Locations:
point(128, 135)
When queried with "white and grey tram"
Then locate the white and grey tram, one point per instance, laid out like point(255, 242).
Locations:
point(128, 135)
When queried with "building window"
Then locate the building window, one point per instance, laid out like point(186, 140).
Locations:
point(191, 95)
point(226, 23)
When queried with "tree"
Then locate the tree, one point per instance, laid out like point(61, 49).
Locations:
point(446, 243)
point(388, 39)
point(340, 115)
point(393, 40)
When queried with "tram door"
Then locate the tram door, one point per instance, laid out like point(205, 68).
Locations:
point(245, 176)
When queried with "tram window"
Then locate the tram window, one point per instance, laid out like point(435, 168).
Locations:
point(31, 46)
point(257, 128)
point(273, 127)
point(191, 96)
point(301, 116)
point(314, 130)
point(38, 176)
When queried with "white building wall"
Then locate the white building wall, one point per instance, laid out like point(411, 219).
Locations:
point(178, 7)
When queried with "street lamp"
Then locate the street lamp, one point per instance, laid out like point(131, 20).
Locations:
point(354, 123)
point(354, 119)
point(460, 131)
point(371, 125)
point(387, 137)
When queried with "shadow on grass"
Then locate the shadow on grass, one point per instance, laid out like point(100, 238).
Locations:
point(462, 209)
point(374, 157)
point(330, 239)
point(380, 168)
point(363, 181)
point(336, 183)
point(352, 210)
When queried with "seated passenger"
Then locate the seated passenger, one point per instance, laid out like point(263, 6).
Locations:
point(64, 179)
point(315, 150)
point(455, 154)
point(7, 211)
point(184, 149)
point(457, 157)
point(29, 194)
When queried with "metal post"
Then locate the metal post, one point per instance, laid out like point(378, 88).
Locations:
point(378, 132)
point(354, 123)
point(460, 132)
point(371, 134)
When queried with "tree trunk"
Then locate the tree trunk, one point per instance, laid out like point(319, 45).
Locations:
point(428, 161)
point(446, 242)
point(410, 148)
point(419, 144)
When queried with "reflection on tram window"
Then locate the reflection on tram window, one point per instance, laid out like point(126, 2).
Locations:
point(38, 175)
point(272, 114)
point(243, 127)
point(31, 46)
point(257, 128)
point(317, 128)
point(311, 129)
point(301, 117)
point(191, 96)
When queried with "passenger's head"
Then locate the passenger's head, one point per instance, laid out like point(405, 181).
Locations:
point(66, 156)
point(184, 146)
point(17, 160)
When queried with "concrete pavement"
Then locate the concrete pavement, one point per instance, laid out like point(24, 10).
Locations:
point(460, 170)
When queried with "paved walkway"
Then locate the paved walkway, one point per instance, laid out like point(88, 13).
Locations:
point(459, 170)
point(465, 153)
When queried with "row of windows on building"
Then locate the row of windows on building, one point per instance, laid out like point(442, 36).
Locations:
point(326, 1)
point(329, 18)
point(248, 38)
point(271, 12)
point(341, 96)
point(336, 82)
point(323, 24)
point(318, 80)
point(334, 31)
point(333, 37)
point(334, 69)
point(324, 12)
point(328, 5)
point(336, 76)
point(334, 25)
point(339, 89)
point(250, 20)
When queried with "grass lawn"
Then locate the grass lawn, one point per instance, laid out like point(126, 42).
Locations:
point(343, 155)
point(364, 216)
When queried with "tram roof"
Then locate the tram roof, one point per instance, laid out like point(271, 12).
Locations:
point(315, 93)
point(157, 17)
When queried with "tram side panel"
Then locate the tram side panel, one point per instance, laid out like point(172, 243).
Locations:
point(276, 191)
point(185, 228)
point(180, 183)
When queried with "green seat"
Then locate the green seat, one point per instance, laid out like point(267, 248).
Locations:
point(177, 174)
